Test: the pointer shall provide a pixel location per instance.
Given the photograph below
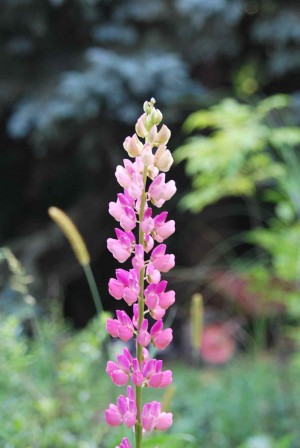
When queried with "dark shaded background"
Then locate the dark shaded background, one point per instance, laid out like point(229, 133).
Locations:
point(73, 78)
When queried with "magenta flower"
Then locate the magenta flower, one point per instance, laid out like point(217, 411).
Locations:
point(122, 327)
point(123, 246)
point(125, 286)
point(153, 418)
point(120, 371)
point(124, 444)
point(124, 412)
point(161, 261)
point(160, 192)
point(157, 300)
point(162, 229)
point(142, 286)
point(160, 338)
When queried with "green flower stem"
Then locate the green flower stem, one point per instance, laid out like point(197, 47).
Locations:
point(93, 287)
point(138, 389)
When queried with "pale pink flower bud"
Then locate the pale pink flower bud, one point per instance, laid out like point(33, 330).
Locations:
point(152, 137)
point(163, 135)
point(136, 186)
point(116, 210)
point(147, 157)
point(148, 106)
point(122, 176)
point(141, 126)
point(156, 116)
point(133, 146)
point(163, 158)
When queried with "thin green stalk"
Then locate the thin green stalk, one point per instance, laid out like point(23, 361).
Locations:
point(93, 287)
point(138, 389)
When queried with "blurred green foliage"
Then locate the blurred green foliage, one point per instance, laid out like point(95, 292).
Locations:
point(15, 297)
point(53, 392)
point(52, 381)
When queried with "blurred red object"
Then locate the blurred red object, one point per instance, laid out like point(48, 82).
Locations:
point(218, 343)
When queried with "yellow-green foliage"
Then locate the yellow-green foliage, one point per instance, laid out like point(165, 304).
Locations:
point(230, 154)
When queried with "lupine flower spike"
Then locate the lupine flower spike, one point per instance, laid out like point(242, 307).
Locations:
point(141, 239)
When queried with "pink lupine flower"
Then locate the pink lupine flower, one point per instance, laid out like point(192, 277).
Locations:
point(119, 372)
point(148, 243)
point(152, 417)
point(125, 286)
point(162, 261)
point(143, 336)
point(161, 338)
point(122, 247)
point(133, 146)
point(163, 136)
point(135, 188)
point(132, 209)
point(153, 374)
point(162, 229)
point(122, 211)
point(124, 444)
point(124, 412)
point(152, 274)
point(128, 219)
point(163, 159)
point(122, 327)
point(157, 300)
point(160, 192)
point(141, 126)
point(123, 174)
point(147, 156)
point(147, 224)
point(138, 259)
